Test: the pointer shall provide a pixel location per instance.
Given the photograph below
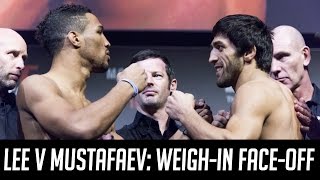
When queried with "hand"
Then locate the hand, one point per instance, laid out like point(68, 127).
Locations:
point(221, 119)
point(203, 110)
point(303, 114)
point(179, 104)
point(136, 74)
point(179, 135)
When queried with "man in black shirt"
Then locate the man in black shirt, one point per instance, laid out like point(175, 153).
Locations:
point(151, 121)
point(291, 58)
point(13, 53)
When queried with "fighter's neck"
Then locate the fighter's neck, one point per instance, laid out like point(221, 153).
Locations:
point(249, 75)
point(70, 72)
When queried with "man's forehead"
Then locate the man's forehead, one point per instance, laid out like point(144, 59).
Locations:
point(93, 19)
point(7, 33)
point(281, 45)
point(221, 39)
point(13, 44)
point(156, 61)
point(9, 37)
point(153, 64)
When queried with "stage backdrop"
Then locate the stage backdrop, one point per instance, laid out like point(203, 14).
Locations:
point(167, 14)
point(194, 73)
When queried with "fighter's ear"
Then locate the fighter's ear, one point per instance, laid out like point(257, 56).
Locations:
point(74, 38)
point(251, 54)
point(173, 85)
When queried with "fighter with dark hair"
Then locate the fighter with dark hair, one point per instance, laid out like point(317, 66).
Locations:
point(53, 105)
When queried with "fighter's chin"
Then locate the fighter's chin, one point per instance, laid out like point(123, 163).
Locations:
point(222, 84)
point(100, 69)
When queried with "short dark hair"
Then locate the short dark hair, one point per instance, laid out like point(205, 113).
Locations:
point(53, 29)
point(149, 53)
point(245, 32)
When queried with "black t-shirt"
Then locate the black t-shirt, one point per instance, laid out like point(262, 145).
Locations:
point(145, 128)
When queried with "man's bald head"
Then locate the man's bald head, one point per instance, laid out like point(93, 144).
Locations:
point(289, 36)
point(13, 53)
point(291, 57)
point(9, 36)
point(6, 31)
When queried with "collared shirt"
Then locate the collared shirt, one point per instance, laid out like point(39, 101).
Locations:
point(9, 118)
point(146, 128)
point(314, 105)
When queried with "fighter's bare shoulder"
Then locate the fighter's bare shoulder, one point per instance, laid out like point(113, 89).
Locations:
point(258, 93)
point(37, 84)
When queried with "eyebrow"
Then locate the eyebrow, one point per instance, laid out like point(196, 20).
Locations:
point(281, 54)
point(100, 27)
point(157, 71)
point(24, 57)
point(216, 43)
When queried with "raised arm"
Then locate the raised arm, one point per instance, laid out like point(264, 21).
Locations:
point(248, 115)
point(61, 117)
